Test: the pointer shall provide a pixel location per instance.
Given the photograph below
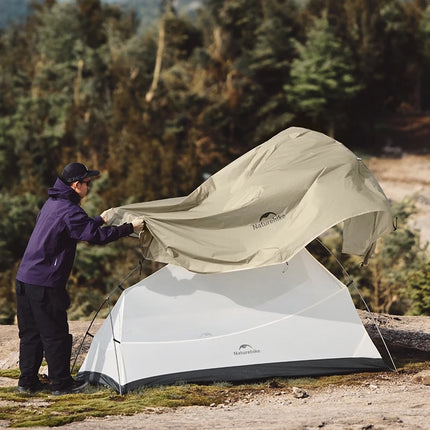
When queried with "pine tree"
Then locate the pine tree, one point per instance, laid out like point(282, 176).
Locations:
point(322, 81)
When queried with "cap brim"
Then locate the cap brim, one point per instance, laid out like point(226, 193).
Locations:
point(92, 173)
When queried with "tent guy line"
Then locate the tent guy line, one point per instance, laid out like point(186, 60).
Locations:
point(353, 284)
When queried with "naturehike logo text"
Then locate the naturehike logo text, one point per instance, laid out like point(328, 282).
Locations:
point(246, 349)
point(267, 219)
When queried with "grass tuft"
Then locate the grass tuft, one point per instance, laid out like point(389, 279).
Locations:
point(10, 373)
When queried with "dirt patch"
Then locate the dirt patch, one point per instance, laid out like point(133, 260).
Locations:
point(408, 176)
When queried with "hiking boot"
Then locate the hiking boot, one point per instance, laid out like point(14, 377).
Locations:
point(75, 387)
point(33, 389)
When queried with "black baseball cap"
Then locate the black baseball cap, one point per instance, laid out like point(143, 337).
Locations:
point(77, 172)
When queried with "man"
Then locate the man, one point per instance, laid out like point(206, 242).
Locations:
point(42, 299)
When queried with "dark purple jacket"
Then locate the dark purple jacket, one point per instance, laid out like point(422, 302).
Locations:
point(61, 223)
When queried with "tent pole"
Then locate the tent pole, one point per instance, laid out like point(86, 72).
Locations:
point(106, 300)
point(351, 282)
point(115, 350)
point(87, 333)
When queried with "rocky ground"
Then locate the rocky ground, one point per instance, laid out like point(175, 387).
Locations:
point(388, 400)
point(377, 404)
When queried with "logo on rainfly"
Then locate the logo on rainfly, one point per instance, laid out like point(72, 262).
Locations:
point(267, 219)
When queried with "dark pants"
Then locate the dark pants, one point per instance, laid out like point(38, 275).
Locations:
point(43, 330)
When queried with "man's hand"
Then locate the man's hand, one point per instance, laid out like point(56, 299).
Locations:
point(107, 216)
point(138, 225)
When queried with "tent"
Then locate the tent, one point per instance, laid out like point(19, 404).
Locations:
point(286, 319)
point(240, 297)
point(266, 206)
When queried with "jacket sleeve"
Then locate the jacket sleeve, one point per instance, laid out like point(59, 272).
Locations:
point(84, 228)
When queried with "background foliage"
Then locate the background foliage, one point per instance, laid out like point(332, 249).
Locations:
point(158, 107)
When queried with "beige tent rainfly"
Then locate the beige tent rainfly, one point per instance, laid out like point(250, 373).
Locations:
point(240, 297)
point(266, 206)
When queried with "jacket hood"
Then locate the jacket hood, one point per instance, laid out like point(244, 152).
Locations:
point(62, 191)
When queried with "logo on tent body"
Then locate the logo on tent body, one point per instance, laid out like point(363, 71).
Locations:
point(266, 219)
point(246, 349)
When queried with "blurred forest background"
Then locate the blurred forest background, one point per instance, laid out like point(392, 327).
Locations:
point(158, 95)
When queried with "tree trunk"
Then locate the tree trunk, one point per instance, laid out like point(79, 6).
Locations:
point(158, 61)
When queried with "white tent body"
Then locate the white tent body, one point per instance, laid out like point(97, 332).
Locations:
point(288, 319)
